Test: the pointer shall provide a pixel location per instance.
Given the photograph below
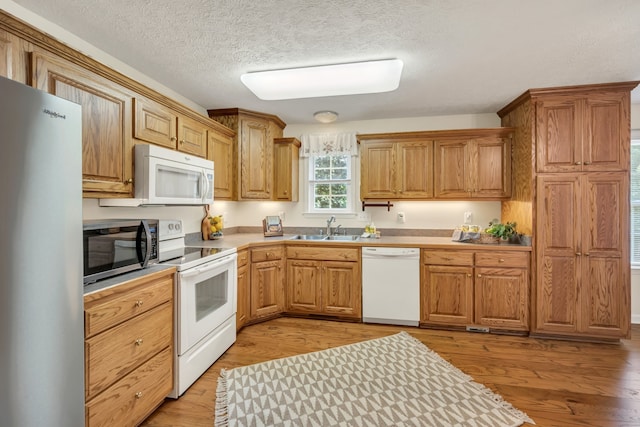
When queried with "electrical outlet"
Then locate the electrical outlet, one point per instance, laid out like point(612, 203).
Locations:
point(468, 217)
point(363, 216)
point(401, 217)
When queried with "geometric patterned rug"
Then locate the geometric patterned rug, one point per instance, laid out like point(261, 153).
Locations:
point(390, 381)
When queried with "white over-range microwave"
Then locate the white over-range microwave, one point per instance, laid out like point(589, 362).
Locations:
point(168, 177)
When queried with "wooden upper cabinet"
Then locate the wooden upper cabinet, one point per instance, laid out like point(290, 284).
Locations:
point(583, 132)
point(286, 166)
point(7, 48)
point(222, 151)
point(192, 136)
point(396, 169)
point(446, 164)
point(476, 168)
point(14, 57)
point(107, 165)
point(415, 170)
point(255, 134)
point(154, 123)
point(378, 170)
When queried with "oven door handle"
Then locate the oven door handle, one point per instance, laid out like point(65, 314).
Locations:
point(211, 265)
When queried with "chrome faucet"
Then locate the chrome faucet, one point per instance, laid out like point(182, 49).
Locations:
point(336, 231)
point(329, 222)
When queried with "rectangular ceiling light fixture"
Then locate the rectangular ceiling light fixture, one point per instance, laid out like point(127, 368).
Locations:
point(325, 80)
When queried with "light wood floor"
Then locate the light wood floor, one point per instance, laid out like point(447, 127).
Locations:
point(557, 383)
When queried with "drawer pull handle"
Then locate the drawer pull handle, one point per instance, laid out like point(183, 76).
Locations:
point(138, 342)
point(139, 303)
point(138, 394)
point(446, 258)
point(501, 260)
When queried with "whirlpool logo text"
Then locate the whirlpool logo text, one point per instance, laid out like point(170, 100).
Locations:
point(53, 114)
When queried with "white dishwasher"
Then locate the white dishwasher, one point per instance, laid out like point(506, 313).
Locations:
point(391, 285)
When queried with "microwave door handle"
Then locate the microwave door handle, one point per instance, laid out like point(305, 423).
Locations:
point(143, 259)
point(205, 186)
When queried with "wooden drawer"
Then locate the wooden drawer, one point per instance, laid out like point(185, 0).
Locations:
point(502, 259)
point(323, 253)
point(267, 253)
point(116, 352)
point(440, 257)
point(103, 313)
point(134, 397)
point(243, 257)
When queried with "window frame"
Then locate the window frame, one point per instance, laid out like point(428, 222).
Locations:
point(635, 264)
point(353, 187)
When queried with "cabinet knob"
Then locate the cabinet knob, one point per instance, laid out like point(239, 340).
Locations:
point(173, 138)
point(587, 163)
point(129, 181)
point(138, 342)
point(182, 141)
point(501, 260)
point(286, 192)
point(578, 253)
point(138, 394)
point(138, 303)
point(468, 274)
point(268, 254)
point(479, 275)
point(578, 163)
point(587, 254)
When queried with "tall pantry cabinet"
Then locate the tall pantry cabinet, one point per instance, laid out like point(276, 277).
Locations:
point(571, 193)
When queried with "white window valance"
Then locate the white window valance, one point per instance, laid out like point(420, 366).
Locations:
point(329, 143)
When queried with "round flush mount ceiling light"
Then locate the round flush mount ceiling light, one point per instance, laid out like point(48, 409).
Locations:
point(325, 116)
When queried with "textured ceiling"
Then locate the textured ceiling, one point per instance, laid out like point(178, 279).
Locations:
point(460, 56)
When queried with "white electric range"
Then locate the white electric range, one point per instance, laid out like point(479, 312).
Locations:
point(206, 294)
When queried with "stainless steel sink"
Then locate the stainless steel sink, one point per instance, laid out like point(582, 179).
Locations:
point(309, 237)
point(347, 237)
point(341, 237)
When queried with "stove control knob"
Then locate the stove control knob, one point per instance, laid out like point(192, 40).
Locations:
point(177, 226)
point(170, 226)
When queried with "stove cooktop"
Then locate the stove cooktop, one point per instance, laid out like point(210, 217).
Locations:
point(188, 257)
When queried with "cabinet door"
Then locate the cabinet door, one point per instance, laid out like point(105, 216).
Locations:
point(605, 287)
point(244, 291)
point(286, 169)
point(192, 137)
point(378, 171)
point(491, 165)
point(256, 160)
point(222, 151)
point(267, 288)
point(558, 234)
point(7, 52)
point(303, 287)
point(605, 145)
point(154, 123)
point(107, 166)
point(415, 169)
point(447, 295)
point(559, 134)
point(501, 298)
point(341, 289)
point(451, 170)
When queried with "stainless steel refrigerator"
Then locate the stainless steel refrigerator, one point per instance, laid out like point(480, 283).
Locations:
point(41, 309)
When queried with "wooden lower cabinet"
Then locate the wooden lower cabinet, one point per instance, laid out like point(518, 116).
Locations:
point(129, 349)
point(467, 288)
point(244, 289)
point(324, 281)
point(267, 282)
point(583, 281)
